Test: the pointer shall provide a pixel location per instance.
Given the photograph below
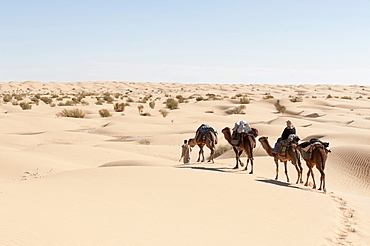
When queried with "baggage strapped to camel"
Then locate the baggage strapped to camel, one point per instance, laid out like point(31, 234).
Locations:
point(242, 128)
point(306, 148)
point(200, 135)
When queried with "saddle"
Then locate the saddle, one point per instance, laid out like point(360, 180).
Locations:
point(306, 148)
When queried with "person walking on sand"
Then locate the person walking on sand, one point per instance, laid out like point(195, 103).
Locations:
point(185, 152)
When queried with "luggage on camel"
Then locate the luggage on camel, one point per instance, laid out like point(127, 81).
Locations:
point(200, 135)
point(306, 148)
point(238, 137)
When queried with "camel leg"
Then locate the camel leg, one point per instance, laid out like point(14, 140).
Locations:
point(313, 179)
point(286, 171)
point(236, 158)
point(300, 174)
point(322, 180)
point(251, 172)
point(211, 156)
point(277, 168)
point(308, 175)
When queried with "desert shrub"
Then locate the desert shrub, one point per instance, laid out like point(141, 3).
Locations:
point(146, 114)
point(46, 100)
point(268, 96)
point(108, 98)
point(35, 100)
point(164, 112)
point(119, 107)
point(280, 108)
point(244, 100)
point(329, 96)
point(180, 98)
point(130, 100)
point(346, 97)
point(67, 103)
point(7, 98)
point(73, 113)
point(237, 110)
point(296, 99)
point(84, 103)
point(199, 99)
point(172, 103)
point(18, 97)
point(152, 104)
point(140, 107)
point(210, 111)
point(221, 149)
point(15, 103)
point(104, 113)
point(25, 105)
point(52, 105)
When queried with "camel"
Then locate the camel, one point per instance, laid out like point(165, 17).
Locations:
point(292, 155)
point(244, 145)
point(210, 142)
point(318, 158)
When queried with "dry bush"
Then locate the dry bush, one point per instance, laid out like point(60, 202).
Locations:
point(46, 100)
point(267, 96)
point(172, 103)
point(237, 110)
point(152, 104)
point(104, 113)
point(164, 112)
point(73, 113)
point(7, 98)
point(346, 97)
point(119, 107)
point(244, 100)
point(296, 99)
point(25, 105)
point(221, 149)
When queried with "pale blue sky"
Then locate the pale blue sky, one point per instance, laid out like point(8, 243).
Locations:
point(275, 42)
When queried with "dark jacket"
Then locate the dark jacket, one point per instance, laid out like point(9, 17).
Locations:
point(287, 132)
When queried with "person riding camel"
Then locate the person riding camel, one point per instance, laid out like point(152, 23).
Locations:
point(289, 129)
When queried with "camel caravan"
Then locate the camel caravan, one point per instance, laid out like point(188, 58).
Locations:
point(242, 138)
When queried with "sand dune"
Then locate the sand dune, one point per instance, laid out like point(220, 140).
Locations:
point(118, 180)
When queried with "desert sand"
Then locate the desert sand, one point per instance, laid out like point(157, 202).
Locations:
point(118, 181)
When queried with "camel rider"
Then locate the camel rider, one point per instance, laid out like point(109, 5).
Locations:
point(289, 129)
point(243, 127)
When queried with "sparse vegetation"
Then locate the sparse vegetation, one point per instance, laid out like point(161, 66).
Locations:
point(164, 112)
point(119, 107)
point(268, 96)
point(221, 149)
point(296, 99)
point(172, 104)
point(244, 100)
point(104, 113)
point(152, 104)
point(73, 113)
point(329, 96)
point(280, 109)
point(346, 97)
point(237, 110)
point(25, 105)
point(7, 98)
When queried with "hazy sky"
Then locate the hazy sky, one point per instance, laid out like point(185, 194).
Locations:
point(275, 42)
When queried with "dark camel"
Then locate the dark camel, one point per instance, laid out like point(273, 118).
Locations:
point(318, 158)
point(292, 155)
point(244, 145)
point(210, 141)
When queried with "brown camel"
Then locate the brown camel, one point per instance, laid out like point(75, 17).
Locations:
point(292, 155)
point(210, 140)
point(318, 158)
point(244, 145)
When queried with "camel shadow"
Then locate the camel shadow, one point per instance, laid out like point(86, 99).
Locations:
point(280, 183)
point(214, 169)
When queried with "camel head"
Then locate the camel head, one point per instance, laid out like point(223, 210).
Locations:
point(192, 142)
point(263, 138)
point(226, 130)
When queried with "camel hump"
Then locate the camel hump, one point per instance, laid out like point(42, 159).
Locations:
point(204, 129)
